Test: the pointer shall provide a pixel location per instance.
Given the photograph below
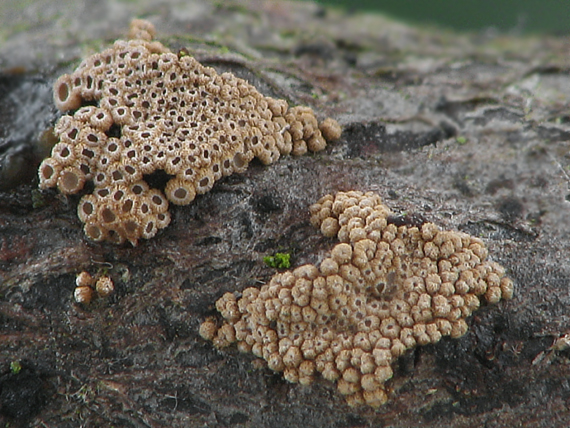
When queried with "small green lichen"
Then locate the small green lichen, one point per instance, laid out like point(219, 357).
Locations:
point(15, 367)
point(278, 261)
point(461, 140)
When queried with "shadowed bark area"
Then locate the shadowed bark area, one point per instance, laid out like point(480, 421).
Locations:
point(468, 131)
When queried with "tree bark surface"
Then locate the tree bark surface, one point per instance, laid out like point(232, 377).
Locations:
point(470, 131)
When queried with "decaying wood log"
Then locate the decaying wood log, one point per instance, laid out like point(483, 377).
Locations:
point(469, 131)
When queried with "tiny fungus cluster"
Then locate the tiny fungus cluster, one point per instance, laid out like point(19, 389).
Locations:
point(137, 108)
point(392, 283)
point(86, 285)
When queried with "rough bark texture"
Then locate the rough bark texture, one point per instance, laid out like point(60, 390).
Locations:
point(469, 131)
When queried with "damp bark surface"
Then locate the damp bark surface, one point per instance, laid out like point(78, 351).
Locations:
point(468, 131)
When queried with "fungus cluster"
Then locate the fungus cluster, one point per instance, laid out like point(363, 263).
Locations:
point(137, 108)
point(392, 283)
point(86, 285)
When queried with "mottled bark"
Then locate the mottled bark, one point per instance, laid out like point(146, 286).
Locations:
point(470, 131)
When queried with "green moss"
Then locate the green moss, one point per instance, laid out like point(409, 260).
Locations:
point(38, 200)
point(15, 367)
point(232, 6)
point(278, 261)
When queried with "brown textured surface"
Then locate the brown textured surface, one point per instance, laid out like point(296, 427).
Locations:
point(404, 96)
point(136, 109)
point(383, 290)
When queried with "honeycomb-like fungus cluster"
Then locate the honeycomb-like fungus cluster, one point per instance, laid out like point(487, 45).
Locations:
point(391, 284)
point(137, 108)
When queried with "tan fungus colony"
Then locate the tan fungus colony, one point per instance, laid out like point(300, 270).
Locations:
point(391, 284)
point(136, 108)
point(84, 290)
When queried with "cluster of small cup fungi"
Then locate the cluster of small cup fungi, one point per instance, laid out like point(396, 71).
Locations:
point(391, 284)
point(137, 108)
point(87, 287)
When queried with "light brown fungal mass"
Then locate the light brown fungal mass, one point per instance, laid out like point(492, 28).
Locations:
point(104, 286)
point(87, 284)
point(83, 294)
point(390, 285)
point(136, 108)
point(84, 279)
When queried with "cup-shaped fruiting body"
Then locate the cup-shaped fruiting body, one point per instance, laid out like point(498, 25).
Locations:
point(392, 284)
point(84, 279)
point(86, 285)
point(104, 286)
point(83, 294)
point(136, 108)
point(66, 95)
point(123, 212)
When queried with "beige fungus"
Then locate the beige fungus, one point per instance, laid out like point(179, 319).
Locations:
point(137, 108)
point(393, 283)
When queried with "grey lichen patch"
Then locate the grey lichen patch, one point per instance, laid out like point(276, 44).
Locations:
point(391, 284)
